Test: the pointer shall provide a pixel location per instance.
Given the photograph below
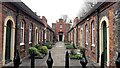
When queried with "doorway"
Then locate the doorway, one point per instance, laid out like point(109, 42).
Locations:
point(8, 42)
point(105, 41)
point(60, 36)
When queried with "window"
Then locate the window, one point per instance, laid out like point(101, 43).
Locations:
point(22, 33)
point(86, 30)
point(93, 34)
point(61, 26)
point(36, 34)
point(30, 34)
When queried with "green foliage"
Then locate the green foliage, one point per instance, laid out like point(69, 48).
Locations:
point(81, 49)
point(37, 46)
point(33, 49)
point(43, 50)
point(49, 46)
point(73, 52)
point(76, 56)
point(69, 47)
point(39, 51)
point(67, 43)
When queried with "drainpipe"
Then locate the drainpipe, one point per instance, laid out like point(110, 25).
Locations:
point(97, 42)
point(77, 36)
point(73, 37)
point(16, 30)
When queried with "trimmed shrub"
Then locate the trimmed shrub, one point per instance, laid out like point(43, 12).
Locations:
point(43, 50)
point(49, 46)
point(69, 47)
point(67, 43)
point(33, 49)
point(73, 52)
point(76, 56)
point(37, 46)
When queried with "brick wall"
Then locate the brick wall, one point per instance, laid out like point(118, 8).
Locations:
point(9, 10)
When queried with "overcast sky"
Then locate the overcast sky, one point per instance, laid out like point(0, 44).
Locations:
point(54, 9)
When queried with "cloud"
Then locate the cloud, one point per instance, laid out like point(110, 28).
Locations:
point(53, 9)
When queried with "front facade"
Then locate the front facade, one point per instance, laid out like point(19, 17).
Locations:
point(61, 29)
point(20, 28)
point(97, 32)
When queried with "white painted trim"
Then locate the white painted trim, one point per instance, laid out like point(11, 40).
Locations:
point(36, 37)
point(21, 44)
point(12, 38)
point(104, 18)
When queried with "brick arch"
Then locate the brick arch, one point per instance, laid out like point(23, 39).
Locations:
point(9, 18)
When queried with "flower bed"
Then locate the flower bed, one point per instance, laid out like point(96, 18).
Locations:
point(74, 54)
point(69, 46)
point(39, 51)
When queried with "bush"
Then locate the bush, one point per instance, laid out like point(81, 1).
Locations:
point(49, 46)
point(81, 49)
point(43, 50)
point(76, 56)
point(73, 52)
point(33, 49)
point(67, 43)
point(37, 46)
point(69, 47)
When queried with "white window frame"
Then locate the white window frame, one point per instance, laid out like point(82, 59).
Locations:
point(93, 29)
point(61, 26)
point(22, 28)
point(86, 40)
point(30, 34)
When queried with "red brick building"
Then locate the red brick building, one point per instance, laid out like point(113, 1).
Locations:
point(20, 28)
point(98, 32)
point(61, 28)
point(48, 32)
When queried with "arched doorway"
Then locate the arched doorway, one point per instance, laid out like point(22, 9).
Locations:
point(104, 39)
point(61, 36)
point(8, 40)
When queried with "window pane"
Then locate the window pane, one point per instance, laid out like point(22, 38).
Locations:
point(30, 33)
point(22, 32)
point(92, 33)
point(60, 25)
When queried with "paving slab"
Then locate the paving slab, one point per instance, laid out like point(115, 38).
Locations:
point(58, 54)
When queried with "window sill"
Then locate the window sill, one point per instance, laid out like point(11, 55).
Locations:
point(93, 45)
point(21, 44)
point(30, 42)
point(86, 44)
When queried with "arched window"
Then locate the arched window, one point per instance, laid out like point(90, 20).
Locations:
point(22, 33)
point(86, 34)
point(93, 29)
point(36, 35)
point(30, 34)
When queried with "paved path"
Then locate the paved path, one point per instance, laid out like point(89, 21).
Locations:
point(58, 54)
